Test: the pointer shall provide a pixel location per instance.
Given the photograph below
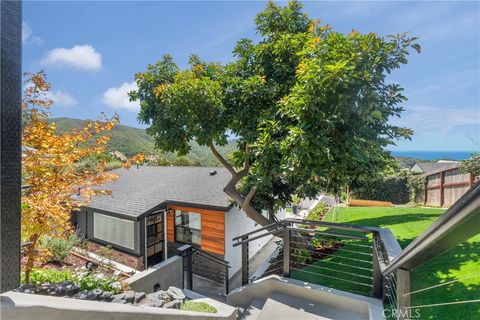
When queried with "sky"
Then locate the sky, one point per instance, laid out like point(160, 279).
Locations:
point(92, 50)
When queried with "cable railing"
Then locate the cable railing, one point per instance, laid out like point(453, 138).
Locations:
point(335, 255)
point(370, 261)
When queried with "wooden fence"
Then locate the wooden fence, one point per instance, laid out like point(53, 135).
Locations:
point(445, 187)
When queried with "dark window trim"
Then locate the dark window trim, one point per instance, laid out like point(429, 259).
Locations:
point(196, 245)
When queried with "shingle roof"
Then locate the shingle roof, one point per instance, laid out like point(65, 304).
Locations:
point(428, 167)
point(139, 190)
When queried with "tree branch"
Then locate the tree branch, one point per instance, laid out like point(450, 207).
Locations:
point(222, 160)
point(249, 196)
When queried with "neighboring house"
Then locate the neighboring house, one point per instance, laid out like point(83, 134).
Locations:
point(197, 212)
point(424, 167)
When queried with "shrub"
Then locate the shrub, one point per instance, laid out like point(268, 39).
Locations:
point(89, 281)
point(86, 280)
point(198, 306)
point(59, 248)
point(392, 189)
point(317, 212)
point(40, 276)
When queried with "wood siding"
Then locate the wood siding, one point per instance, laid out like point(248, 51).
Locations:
point(171, 226)
point(213, 228)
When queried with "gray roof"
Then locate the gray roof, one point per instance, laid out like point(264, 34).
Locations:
point(428, 167)
point(140, 190)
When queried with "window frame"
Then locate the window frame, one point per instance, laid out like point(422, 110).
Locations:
point(175, 227)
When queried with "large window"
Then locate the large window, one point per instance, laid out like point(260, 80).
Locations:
point(188, 227)
point(114, 230)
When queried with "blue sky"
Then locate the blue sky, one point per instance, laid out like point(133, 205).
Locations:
point(92, 50)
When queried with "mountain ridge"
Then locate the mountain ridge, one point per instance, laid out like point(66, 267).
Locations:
point(130, 140)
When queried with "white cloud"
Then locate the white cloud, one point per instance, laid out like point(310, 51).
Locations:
point(83, 57)
point(428, 118)
point(117, 97)
point(27, 35)
point(63, 99)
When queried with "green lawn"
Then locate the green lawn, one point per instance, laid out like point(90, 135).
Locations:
point(406, 224)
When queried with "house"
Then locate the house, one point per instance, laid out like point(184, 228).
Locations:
point(424, 167)
point(154, 210)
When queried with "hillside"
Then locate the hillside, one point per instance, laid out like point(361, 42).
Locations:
point(129, 141)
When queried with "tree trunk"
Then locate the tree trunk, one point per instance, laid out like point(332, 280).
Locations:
point(30, 257)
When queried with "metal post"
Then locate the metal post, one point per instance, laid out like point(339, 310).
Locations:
point(403, 286)
point(227, 289)
point(186, 252)
point(376, 271)
point(10, 142)
point(245, 266)
point(286, 251)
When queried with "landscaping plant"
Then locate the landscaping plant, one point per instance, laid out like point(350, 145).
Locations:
point(49, 168)
point(309, 108)
point(59, 248)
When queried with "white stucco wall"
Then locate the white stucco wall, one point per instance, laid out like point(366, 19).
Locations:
point(236, 224)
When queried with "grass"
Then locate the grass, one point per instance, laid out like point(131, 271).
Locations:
point(407, 224)
point(198, 307)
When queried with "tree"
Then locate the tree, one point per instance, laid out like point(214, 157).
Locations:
point(309, 108)
point(57, 184)
point(471, 165)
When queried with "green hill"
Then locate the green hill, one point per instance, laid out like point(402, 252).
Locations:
point(129, 141)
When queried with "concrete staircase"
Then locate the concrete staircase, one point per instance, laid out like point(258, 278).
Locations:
point(282, 306)
point(274, 297)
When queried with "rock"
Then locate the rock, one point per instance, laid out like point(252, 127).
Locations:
point(119, 296)
point(139, 296)
point(74, 289)
point(43, 289)
point(27, 288)
point(82, 295)
point(147, 302)
point(129, 296)
point(93, 295)
point(164, 295)
point(122, 301)
point(159, 303)
point(106, 296)
point(175, 304)
point(176, 293)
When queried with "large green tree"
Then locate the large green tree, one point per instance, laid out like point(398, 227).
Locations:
point(309, 108)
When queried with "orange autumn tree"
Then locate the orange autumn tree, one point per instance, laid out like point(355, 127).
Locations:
point(56, 185)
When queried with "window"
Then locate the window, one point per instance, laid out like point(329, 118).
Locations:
point(114, 230)
point(188, 227)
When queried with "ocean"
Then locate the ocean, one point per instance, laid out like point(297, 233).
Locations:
point(434, 155)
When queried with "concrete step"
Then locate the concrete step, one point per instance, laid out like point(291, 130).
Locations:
point(253, 310)
point(282, 306)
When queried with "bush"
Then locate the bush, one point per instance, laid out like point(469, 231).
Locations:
point(86, 280)
point(40, 276)
point(59, 248)
point(392, 189)
point(317, 212)
point(89, 281)
point(197, 306)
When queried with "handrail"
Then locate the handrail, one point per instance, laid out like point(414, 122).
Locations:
point(458, 224)
point(258, 230)
point(340, 226)
point(330, 234)
point(206, 255)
